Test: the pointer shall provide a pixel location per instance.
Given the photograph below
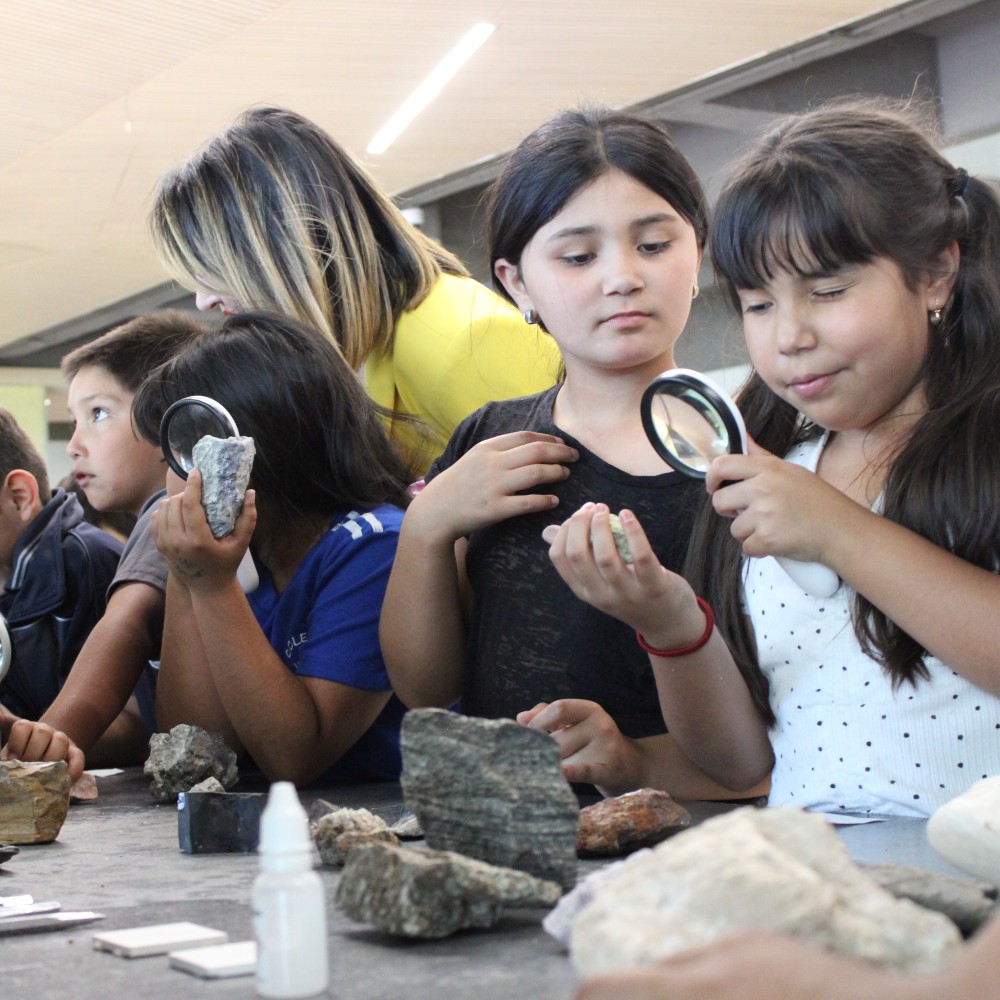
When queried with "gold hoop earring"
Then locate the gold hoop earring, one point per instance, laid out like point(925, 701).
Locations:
point(530, 317)
point(935, 316)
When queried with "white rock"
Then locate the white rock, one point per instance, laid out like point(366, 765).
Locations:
point(773, 869)
point(966, 830)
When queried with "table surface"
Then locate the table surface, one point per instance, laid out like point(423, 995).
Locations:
point(119, 856)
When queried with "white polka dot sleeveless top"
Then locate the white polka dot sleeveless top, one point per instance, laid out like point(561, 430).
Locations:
point(844, 740)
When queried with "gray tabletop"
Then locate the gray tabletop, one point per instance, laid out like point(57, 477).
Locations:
point(119, 856)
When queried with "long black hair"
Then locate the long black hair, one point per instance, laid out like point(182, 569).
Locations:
point(321, 446)
point(845, 184)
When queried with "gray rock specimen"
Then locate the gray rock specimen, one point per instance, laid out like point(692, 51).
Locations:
point(627, 822)
point(338, 832)
point(225, 465)
point(183, 757)
point(967, 902)
point(34, 800)
point(492, 790)
point(966, 830)
point(208, 785)
point(774, 869)
point(430, 894)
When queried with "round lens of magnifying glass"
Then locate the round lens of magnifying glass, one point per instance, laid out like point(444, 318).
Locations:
point(185, 423)
point(687, 430)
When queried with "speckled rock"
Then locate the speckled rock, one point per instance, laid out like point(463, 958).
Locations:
point(336, 833)
point(621, 542)
point(178, 760)
point(34, 800)
point(492, 790)
point(225, 465)
point(773, 869)
point(627, 822)
point(430, 894)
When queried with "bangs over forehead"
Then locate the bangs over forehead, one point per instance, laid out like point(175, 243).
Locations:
point(790, 217)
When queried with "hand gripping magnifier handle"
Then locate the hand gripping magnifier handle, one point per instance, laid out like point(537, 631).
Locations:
point(704, 412)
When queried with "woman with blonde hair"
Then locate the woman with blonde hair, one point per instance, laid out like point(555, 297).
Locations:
point(273, 214)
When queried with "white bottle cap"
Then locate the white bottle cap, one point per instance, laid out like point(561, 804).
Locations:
point(284, 828)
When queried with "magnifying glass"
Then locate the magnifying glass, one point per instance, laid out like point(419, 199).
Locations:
point(183, 425)
point(690, 421)
point(6, 648)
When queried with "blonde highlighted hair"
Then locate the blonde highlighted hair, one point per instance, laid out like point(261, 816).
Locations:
point(274, 213)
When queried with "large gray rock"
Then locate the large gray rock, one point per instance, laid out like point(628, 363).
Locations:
point(772, 869)
point(186, 755)
point(492, 790)
point(225, 465)
point(431, 894)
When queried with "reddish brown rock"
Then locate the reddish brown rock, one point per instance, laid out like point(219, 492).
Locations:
point(34, 800)
point(626, 823)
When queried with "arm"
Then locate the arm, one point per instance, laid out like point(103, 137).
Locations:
point(715, 729)
point(759, 966)
point(946, 604)
point(422, 629)
point(594, 749)
point(106, 671)
point(294, 727)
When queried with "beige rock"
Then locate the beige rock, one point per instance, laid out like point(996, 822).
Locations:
point(337, 832)
point(772, 869)
point(34, 800)
point(966, 830)
point(84, 789)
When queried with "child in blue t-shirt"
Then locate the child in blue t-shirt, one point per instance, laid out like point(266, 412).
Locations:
point(291, 673)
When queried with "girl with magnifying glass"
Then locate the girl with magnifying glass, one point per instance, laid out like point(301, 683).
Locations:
point(866, 269)
point(291, 673)
point(596, 228)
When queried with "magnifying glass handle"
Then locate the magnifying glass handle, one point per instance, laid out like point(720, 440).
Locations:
point(246, 573)
point(6, 649)
point(813, 578)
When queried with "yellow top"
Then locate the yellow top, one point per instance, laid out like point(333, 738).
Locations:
point(460, 348)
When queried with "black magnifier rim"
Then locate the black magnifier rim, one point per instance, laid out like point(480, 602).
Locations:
point(719, 403)
point(206, 402)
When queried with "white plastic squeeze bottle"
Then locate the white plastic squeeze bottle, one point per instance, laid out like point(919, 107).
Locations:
point(289, 903)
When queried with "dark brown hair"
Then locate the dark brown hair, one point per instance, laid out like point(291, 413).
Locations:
point(17, 452)
point(845, 184)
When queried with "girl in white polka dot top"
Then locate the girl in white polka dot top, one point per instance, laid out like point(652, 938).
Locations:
point(866, 269)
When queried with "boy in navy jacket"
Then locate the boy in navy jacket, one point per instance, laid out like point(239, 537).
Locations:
point(54, 574)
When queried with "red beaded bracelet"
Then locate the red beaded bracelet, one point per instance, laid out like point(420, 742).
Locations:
point(684, 650)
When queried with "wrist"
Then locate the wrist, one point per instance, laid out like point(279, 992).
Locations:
point(680, 642)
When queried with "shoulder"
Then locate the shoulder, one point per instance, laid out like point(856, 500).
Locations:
point(454, 297)
point(502, 416)
point(357, 526)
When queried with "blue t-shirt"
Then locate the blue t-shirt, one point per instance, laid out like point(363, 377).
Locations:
point(325, 624)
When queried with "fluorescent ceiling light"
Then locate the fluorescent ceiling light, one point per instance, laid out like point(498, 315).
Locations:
point(431, 87)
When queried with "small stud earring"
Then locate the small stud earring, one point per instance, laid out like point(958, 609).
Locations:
point(935, 316)
point(530, 317)
point(695, 290)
